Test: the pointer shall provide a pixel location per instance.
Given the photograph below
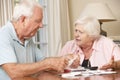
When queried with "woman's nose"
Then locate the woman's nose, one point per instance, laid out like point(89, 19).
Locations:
point(77, 34)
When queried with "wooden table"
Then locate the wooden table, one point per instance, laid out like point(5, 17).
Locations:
point(52, 76)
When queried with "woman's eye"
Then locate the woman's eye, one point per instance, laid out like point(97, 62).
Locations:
point(76, 30)
point(80, 32)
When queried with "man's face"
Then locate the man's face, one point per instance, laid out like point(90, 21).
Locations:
point(33, 23)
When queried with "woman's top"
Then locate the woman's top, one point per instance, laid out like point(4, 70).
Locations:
point(103, 49)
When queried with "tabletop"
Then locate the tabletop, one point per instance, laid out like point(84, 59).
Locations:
point(53, 76)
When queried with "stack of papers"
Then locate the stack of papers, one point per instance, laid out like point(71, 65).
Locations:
point(85, 73)
point(97, 72)
point(79, 69)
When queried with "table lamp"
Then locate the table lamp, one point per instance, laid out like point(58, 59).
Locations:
point(101, 11)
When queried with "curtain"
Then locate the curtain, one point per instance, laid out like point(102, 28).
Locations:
point(6, 9)
point(58, 25)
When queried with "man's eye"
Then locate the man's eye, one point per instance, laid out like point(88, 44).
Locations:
point(38, 21)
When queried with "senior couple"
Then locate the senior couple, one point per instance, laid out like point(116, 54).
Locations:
point(20, 59)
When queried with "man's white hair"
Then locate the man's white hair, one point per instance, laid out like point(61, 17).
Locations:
point(90, 24)
point(24, 8)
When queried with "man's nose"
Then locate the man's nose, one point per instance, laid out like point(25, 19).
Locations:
point(41, 25)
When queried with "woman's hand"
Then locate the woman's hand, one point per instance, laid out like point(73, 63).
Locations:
point(76, 62)
point(109, 65)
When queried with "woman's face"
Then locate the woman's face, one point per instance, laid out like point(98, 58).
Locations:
point(81, 36)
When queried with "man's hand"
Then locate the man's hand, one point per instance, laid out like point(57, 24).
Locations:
point(57, 63)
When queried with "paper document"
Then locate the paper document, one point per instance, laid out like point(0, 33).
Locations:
point(86, 73)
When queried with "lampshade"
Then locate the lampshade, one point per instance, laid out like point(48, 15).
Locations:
point(99, 10)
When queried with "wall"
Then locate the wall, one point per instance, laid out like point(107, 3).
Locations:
point(112, 28)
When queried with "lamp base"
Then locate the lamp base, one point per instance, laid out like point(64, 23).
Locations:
point(102, 32)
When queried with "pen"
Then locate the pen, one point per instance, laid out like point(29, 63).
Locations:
point(77, 70)
point(78, 75)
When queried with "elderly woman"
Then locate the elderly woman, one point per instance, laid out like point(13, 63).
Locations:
point(94, 49)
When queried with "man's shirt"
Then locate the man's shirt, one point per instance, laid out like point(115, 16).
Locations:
point(12, 50)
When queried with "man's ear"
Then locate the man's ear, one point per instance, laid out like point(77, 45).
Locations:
point(22, 19)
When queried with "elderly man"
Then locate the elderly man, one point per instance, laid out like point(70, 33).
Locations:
point(20, 59)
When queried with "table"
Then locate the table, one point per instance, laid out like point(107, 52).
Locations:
point(53, 76)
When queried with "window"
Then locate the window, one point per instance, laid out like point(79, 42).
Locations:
point(41, 38)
